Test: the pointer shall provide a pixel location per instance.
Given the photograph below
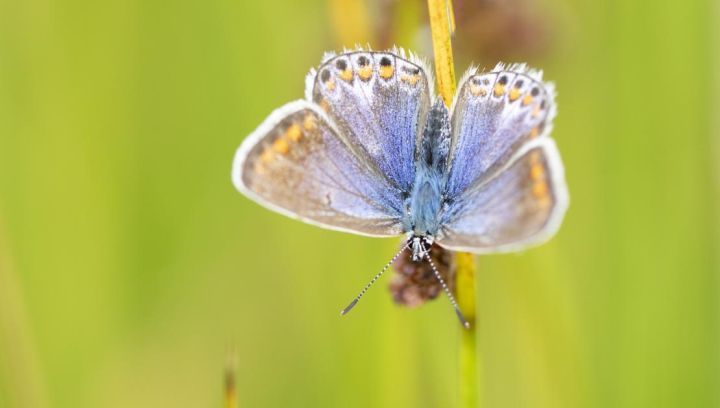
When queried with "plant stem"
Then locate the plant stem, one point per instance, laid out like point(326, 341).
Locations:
point(468, 358)
point(231, 398)
point(442, 25)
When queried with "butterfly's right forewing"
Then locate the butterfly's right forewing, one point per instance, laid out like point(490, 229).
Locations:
point(505, 184)
point(494, 114)
point(298, 164)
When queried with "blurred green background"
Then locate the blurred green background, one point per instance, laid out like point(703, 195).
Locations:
point(130, 268)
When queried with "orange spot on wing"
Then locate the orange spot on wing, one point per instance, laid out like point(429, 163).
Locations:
point(365, 72)
point(266, 156)
point(527, 100)
point(281, 146)
point(540, 189)
point(310, 122)
point(538, 176)
point(477, 90)
point(386, 71)
point(514, 94)
point(544, 201)
point(294, 132)
point(537, 172)
point(410, 79)
point(499, 89)
point(346, 75)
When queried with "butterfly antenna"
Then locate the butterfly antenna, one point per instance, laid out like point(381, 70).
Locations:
point(376, 277)
point(455, 306)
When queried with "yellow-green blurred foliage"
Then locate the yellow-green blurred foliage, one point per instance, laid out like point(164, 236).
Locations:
point(129, 266)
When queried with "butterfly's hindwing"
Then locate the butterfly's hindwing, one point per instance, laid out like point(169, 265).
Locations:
point(522, 205)
point(297, 163)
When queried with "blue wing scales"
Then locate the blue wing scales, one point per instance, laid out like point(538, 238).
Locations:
point(379, 101)
point(505, 185)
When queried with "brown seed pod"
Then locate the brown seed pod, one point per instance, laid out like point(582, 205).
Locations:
point(414, 282)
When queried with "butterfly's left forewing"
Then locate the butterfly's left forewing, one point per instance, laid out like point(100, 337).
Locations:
point(298, 163)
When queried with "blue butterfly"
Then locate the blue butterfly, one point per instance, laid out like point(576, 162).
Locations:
point(371, 150)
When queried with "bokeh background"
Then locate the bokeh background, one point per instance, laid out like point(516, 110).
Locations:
point(130, 269)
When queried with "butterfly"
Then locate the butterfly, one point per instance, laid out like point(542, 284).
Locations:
point(372, 150)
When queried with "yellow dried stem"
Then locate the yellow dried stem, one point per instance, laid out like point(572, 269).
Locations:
point(441, 25)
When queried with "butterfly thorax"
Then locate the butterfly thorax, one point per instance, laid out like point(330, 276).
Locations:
point(425, 201)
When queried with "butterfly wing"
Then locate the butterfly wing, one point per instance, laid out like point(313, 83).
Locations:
point(379, 101)
point(299, 163)
point(493, 115)
point(505, 179)
point(521, 206)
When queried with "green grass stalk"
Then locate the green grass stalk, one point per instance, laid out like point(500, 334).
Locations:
point(442, 24)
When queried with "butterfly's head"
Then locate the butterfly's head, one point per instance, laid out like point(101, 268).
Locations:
point(419, 245)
